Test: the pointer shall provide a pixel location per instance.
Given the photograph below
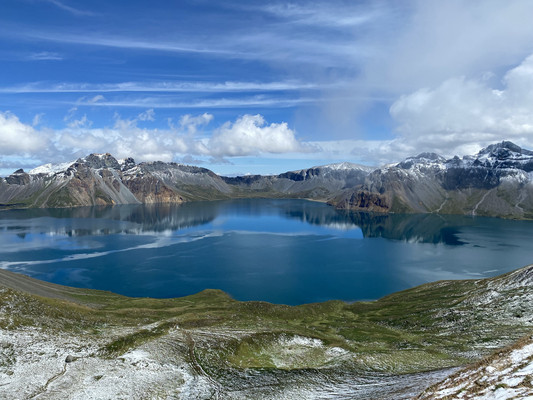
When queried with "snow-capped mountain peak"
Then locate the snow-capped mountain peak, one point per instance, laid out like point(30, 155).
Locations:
point(503, 155)
point(345, 166)
point(50, 169)
point(425, 159)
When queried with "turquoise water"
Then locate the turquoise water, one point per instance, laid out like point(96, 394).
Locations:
point(282, 251)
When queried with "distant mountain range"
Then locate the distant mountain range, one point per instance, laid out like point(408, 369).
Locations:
point(497, 181)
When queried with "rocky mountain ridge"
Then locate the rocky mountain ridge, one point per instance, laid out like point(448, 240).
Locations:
point(100, 179)
point(497, 181)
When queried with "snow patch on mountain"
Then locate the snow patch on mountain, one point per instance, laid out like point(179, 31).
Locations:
point(51, 169)
point(343, 166)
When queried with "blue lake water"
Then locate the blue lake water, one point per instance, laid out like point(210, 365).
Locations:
point(282, 251)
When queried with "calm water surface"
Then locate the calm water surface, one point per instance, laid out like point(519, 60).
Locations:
point(282, 251)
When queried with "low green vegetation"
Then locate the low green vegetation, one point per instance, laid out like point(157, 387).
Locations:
point(61, 198)
point(433, 326)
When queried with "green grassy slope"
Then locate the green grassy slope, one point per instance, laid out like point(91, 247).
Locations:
point(432, 326)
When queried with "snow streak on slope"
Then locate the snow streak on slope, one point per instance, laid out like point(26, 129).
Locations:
point(505, 375)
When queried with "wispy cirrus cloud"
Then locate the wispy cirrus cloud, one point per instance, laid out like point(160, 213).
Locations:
point(170, 87)
point(45, 56)
point(128, 42)
point(323, 15)
point(219, 102)
point(74, 11)
point(278, 44)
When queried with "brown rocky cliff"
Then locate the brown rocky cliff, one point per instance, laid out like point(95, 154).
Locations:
point(149, 190)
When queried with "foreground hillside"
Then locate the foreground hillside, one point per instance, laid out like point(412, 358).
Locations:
point(506, 374)
point(64, 343)
point(495, 182)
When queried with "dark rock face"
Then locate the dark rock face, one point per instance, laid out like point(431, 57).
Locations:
point(242, 180)
point(97, 161)
point(293, 176)
point(421, 158)
point(18, 178)
point(129, 163)
point(462, 178)
point(369, 201)
point(504, 149)
point(487, 168)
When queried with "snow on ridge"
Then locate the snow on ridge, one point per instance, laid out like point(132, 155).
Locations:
point(101, 156)
point(513, 156)
point(346, 166)
point(50, 169)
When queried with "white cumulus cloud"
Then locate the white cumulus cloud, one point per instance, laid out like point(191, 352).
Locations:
point(250, 135)
point(191, 123)
point(17, 137)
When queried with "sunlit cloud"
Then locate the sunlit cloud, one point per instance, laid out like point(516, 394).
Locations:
point(19, 138)
point(248, 135)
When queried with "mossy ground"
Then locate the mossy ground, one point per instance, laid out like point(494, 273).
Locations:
point(428, 327)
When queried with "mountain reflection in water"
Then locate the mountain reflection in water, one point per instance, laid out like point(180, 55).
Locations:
point(420, 228)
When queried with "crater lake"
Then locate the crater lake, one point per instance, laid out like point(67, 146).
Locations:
point(281, 251)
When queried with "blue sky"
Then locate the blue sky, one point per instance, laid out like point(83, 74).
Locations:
point(261, 87)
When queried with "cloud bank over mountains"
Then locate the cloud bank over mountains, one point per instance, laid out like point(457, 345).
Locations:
point(269, 82)
point(249, 135)
point(462, 114)
point(458, 116)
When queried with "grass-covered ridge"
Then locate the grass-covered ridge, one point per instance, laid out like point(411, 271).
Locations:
point(437, 325)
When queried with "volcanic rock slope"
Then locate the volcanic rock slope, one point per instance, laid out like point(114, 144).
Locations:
point(99, 179)
point(495, 182)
